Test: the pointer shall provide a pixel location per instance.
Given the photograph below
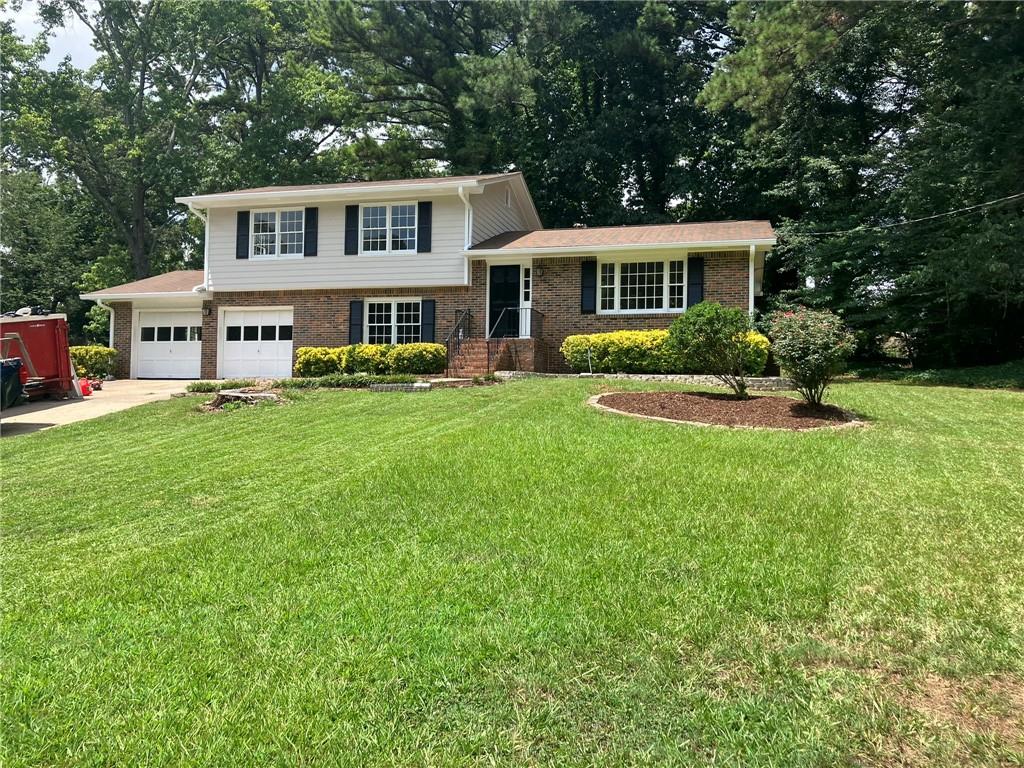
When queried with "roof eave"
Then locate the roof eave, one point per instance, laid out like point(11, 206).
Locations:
point(136, 296)
point(225, 199)
point(560, 249)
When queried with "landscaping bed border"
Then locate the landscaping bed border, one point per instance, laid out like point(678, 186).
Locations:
point(755, 383)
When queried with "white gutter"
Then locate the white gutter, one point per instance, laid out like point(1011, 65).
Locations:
point(311, 195)
point(706, 246)
point(98, 295)
point(206, 247)
point(110, 310)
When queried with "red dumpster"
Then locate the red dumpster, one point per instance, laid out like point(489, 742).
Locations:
point(45, 340)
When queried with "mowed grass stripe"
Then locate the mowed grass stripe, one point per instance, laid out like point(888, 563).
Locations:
point(503, 575)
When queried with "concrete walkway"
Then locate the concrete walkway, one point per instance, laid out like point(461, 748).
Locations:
point(115, 396)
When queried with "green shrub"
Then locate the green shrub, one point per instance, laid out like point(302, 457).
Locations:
point(812, 347)
point(93, 361)
point(621, 352)
point(318, 361)
point(365, 358)
point(422, 358)
point(217, 386)
point(344, 381)
point(755, 355)
point(718, 341)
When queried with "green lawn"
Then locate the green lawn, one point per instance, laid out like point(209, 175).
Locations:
point(502, 575)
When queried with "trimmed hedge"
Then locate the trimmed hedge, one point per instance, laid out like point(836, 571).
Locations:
point(94, 361)
point(374, 359)
point(646, 352)
point(317, 361)
point(621, 352)
point(417, 358)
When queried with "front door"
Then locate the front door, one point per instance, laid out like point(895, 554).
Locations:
point(503, 301)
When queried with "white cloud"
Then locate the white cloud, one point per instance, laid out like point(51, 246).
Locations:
point(73, 39)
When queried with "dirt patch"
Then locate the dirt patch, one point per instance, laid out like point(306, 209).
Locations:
point(726, 410)
point(993, 705)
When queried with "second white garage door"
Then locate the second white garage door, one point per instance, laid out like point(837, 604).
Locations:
point(256, 343)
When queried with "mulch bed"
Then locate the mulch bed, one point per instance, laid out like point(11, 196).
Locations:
point(727, 410)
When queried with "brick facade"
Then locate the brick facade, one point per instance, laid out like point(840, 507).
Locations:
point(321, 317)
point(556, 294)
point(122, 321)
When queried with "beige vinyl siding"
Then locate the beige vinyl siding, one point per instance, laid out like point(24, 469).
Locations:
point(331, 268)
point(491, 216)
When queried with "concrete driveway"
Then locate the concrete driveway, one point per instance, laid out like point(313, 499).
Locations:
point(115, 396)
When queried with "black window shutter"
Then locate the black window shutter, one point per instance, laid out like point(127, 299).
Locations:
point(694, 280)
point(588, 287)
point(427, 320)
point(310, 236)
point(351, 230)
point(424, 211)
point(355, 321)
point(242, 235)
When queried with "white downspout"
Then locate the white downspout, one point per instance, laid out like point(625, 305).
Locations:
point(206, 245)
point(467, 241)
point(750, 281)
point(110, 330)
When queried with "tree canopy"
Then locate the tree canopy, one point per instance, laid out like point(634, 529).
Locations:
point(855, 127)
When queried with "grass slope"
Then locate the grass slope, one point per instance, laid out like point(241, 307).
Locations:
point(502, 575)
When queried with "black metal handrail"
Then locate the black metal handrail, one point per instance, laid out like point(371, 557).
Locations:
point(515, 321)
point(459, 333)
point(496, 343)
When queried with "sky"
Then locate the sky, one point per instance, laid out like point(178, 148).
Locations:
point(74, 40)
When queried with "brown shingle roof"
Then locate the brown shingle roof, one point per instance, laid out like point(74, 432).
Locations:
point(182, 281)
point(644, 234)
point(361, 184)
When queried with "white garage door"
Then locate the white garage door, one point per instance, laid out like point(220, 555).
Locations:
point(170, 345)
point(257, 342)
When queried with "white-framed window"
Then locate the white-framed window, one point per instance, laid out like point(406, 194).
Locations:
point(392, 321)
point(276, 234)
point(527, 285)
point(387, 228)
point(642, 286)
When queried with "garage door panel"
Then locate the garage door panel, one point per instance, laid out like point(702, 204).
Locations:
point(252, 346)
point(169, 344)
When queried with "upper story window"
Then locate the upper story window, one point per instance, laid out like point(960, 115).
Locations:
point(388, 228)
point(277, 234)
point(643, 286)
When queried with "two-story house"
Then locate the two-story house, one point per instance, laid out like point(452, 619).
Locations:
point(415, 260)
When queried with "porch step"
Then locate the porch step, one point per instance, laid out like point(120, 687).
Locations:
point(472, 359)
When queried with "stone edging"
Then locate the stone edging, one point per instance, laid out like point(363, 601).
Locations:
point(754, 383)
point(595, 402)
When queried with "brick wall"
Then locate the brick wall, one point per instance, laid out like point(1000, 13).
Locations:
point(122, 338)
point(321, 318)
point(556, 293)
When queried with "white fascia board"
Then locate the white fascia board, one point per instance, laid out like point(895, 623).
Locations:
point(270, 198)
point(577, 249)
point(139, 296)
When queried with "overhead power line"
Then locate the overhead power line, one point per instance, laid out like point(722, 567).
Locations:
point(955, 212)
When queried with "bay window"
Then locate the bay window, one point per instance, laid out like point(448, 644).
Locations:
point(393, 321)
point(642, 286)
point(277, 234)
point(388, 228)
